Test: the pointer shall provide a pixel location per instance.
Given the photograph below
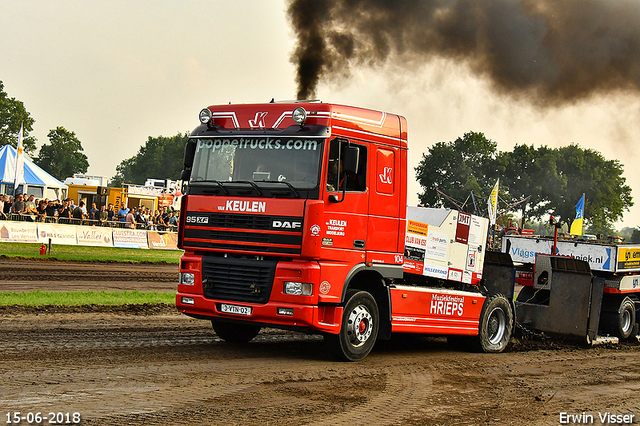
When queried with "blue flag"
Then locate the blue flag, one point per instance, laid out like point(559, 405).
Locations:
point(576, 225)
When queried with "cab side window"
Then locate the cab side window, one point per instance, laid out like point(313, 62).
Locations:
point(339, 179)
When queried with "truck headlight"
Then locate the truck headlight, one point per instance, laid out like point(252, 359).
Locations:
point(187, 278)
point(298, 289)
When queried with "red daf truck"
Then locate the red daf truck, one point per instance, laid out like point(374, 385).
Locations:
point(295, 217)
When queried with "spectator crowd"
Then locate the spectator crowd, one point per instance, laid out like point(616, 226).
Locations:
point(31, 209)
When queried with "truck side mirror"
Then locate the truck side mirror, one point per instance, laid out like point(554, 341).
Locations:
point(189, 152)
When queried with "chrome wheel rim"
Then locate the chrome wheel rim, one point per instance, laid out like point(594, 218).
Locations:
point(359, 326)
point(496, 326)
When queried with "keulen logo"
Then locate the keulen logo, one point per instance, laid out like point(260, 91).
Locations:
point(258, 121)
point(385, 176)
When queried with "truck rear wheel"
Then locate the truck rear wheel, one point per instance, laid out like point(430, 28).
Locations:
point(359, 331)
point(620, 323)
point(496, 325)
point(235, 333)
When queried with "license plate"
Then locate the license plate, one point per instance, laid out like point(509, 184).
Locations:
point(235, 309)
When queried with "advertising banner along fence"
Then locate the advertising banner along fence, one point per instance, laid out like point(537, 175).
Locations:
point(30, 232)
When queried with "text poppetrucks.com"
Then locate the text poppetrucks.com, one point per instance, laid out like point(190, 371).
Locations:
point(605, 418)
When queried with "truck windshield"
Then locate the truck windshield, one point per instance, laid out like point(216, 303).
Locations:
point(292, 161)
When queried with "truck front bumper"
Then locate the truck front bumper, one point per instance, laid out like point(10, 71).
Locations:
point(322, 319)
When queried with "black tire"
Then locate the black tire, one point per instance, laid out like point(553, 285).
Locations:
point(359, 331)
point(496, 325)
point(620, 323)
point(235, 333)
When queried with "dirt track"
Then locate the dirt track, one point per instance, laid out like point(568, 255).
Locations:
point(25, 275)
point(130, 368)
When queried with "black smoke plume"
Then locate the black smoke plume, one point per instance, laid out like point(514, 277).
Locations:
point(550, 51)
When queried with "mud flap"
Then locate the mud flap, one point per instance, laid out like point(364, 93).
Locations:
point(574, 298)
point(499, 274)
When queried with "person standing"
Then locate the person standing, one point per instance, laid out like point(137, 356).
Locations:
point(8, 201)
point(131, 218)
point(111, 214)
point(65, 212)
point(18, 205)
point(3, 198)
point(78, 213)
point(41, 211)
point(122, 213)
point(103, 216)
point(93, 213)
point(51, 211)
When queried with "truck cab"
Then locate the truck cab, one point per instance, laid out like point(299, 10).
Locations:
point(286, 205)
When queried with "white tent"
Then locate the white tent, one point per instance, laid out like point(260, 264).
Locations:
point(37, 181)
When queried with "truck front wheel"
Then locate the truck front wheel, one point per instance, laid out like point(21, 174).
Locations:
point(359, 331)
point(235, 333)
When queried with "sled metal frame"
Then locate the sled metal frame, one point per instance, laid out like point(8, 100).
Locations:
point(575, 298)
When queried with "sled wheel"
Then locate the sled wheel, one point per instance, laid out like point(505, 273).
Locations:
point(621, 323)
point(235, 333)
point(359, 331)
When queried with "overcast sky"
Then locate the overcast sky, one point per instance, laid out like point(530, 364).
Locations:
point(117, 72)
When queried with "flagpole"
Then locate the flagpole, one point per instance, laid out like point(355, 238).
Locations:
point(19, 172)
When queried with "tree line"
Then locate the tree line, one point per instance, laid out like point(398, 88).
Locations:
point(553, 178)
point(63, 156)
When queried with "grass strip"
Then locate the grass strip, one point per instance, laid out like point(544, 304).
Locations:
point(90, 254)
point(78, 298)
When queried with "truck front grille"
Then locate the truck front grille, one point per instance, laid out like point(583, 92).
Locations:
point(239, 280)
point(244, 233)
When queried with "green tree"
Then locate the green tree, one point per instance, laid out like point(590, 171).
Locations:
point(554, 178)
point(606, 194)
point(529, 172)
point(457, 168)
point(160, 157)
point(63, 156)
point(12, 115)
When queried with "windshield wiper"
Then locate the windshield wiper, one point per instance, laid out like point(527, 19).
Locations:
point(286, 183)
point(217, 182)
point(256, 187)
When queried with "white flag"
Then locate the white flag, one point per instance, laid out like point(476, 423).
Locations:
point(493, 203)
point(19, 162)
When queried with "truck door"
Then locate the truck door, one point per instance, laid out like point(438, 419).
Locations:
point(346, 201)
point(384, 204)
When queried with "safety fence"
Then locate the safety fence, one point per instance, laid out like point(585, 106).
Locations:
point(102, 236)
point(26, 217)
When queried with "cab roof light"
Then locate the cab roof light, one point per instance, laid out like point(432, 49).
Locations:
point(205, 116)
point(299, 115)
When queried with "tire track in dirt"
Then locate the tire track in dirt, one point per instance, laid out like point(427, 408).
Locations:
point(404, 392)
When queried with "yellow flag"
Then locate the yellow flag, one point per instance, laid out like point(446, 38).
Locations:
point(493, 203)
